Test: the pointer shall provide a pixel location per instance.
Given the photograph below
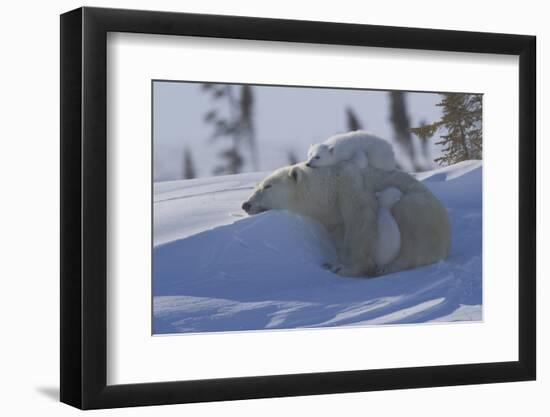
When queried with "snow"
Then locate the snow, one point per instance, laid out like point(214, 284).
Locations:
point(217, 269)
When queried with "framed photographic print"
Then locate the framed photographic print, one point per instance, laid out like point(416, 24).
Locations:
point(256, 208)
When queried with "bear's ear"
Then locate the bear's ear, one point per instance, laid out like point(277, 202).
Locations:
point(331, 148)
point(295, 174)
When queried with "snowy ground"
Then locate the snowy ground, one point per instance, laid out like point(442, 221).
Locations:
point(216, 269)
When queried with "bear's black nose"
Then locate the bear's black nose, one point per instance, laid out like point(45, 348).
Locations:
point(307, 165)
point(246, 206)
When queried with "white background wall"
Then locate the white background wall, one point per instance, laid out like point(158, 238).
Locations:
point(29, 132)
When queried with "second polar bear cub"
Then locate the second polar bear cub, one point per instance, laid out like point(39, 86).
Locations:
point(389, 236)
point(359, 146)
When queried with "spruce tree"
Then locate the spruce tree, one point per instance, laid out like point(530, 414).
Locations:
point(235, 124)
point(400, 121)
point(425, 147)
point(292, 157)
point(246, 121)
point(188, 165)
point(352, 120)
point(460, 124)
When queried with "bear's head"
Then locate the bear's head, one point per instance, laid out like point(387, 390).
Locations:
point(283, 189)
point(319, 155)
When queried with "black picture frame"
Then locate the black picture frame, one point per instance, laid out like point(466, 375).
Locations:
point(84, 207)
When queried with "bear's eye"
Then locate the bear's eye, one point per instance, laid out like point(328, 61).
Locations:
point(267, 186)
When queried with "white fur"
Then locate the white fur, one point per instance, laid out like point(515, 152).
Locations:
point(342, 198)
point(389, 237)
point(359, 146)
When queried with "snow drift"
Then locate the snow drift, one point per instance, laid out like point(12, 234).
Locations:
point(216, 269)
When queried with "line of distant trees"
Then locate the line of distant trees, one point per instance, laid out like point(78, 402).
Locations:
point(231, 118)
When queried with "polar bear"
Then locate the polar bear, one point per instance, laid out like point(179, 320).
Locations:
point(361, 147)
point(342, 198)
point(389, 237)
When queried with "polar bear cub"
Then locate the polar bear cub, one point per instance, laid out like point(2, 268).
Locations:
point(389, 236)
point(359, 146)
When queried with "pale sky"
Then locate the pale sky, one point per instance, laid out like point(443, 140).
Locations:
point(286, 119)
